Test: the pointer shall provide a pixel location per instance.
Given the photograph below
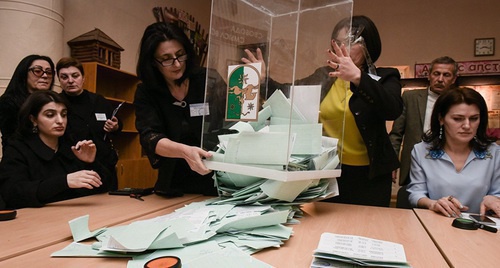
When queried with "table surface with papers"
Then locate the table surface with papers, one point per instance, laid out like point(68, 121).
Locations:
point(390, 224)
point(36, 228)
point(49, 231)
point(461, 248)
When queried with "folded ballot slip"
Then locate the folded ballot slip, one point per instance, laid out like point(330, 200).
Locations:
point(335, 249)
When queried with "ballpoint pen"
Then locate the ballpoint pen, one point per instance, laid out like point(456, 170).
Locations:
point(115, 111)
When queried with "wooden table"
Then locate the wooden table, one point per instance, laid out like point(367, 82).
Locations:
point(396, 225)
point(390, 224)
point(461, 248)
point(36, 228)
point(41, 257)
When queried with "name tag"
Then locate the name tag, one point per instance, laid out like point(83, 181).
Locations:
point(198, 109)
point(100, 116)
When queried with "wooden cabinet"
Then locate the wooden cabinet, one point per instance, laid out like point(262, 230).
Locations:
point(116, 86)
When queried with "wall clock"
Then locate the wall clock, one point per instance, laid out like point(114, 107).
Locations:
point(484, 47)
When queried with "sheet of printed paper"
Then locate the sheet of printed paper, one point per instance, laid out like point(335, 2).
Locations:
point(361, 248)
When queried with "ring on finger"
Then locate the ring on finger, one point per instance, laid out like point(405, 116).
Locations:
point(450, 198)
point(337, 68)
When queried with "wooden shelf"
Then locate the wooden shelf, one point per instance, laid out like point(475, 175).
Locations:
point(116, 86)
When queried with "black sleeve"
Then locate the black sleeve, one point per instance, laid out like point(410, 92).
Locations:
point(148, 123)
point(19, 188)
point(384, 94)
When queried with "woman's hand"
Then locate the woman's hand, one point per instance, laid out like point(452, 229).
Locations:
point(449, 206)
point(193, 156)
point(490, 202)
point(84, 179)
point(344, 66)
point(111, 125)
point(85, 151)
point(253, 59)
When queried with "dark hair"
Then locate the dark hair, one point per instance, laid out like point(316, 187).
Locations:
point(445, 60)
point(69, 62)
point(155, 34)
point(32, 107)
point(17, 90)
point(370, 33)
point(442, 106)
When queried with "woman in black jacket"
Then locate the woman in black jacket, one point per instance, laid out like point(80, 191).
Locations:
point(39, 166)
point(167, 105)
point(90, 115)
point(34, 72)
point(373, 96)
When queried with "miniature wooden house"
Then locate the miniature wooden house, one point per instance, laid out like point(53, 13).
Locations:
point(96, 46)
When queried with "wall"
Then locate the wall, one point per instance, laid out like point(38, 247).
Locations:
point(412, 31)
point(417, 31)
point(28, 27)
point(124, 21)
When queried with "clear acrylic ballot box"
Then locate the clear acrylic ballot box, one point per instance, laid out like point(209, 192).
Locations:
point(264, 124)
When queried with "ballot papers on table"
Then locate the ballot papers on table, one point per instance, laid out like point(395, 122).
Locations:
point(197, 233)
point(336, 250)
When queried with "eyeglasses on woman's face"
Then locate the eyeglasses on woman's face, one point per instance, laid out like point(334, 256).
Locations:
point(38, 71)
point(170, 61)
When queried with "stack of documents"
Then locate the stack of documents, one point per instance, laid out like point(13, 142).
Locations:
point(335, 250)
point(283, 139)
point(197, 233)
point(266, 191)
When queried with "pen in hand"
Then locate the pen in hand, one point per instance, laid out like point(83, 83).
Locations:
point(115, 111)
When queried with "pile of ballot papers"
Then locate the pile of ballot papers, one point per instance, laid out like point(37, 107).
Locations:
point(254, 162)
point(199, 234)
point(338, 250)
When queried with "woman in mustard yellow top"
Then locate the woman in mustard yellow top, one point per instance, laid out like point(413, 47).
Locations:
point(373, 96)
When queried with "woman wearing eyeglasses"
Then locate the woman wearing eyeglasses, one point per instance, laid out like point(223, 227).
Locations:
point(34, 72)
point(167, 110)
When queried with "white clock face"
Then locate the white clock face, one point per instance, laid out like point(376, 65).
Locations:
point(485, 47)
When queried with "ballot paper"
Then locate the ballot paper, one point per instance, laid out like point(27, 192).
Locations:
point(358, 250)
point(199, 233)
point(80, 229)
point(284, 144)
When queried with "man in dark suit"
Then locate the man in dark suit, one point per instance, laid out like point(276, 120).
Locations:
point(407, 130)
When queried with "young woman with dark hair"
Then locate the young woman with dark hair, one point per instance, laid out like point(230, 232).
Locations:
point(457, 163)
point(39, 165)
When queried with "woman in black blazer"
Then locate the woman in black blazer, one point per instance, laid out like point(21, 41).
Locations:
point(39, 166)
point(373, 96)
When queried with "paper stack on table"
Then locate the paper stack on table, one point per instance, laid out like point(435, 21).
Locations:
point(335, 250)
point(197, 233)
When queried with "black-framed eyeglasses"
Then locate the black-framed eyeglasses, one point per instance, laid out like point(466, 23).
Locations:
point(38, 71)
point(170, 62)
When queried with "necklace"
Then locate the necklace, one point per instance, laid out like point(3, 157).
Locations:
point(181, 104)
point(180, 93)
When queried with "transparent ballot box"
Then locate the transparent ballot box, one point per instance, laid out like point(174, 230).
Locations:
point(264, 122)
